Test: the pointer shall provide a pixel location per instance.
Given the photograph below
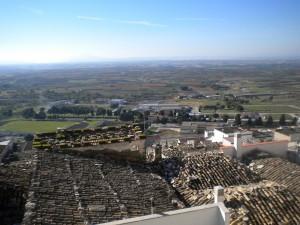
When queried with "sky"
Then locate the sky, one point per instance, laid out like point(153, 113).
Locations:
point(46, 31)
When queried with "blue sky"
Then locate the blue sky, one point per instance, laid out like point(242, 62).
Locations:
point(90, 30)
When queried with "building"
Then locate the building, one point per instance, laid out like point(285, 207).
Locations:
point(222, 134)
point(237, 142)
point(291, 134)
point(157, 107)
point(118, 101)
point(210, 214)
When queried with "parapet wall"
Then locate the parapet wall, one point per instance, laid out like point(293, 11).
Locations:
point(276, 148)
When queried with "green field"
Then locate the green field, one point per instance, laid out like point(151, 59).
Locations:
point(271, 108)
point(34, 126)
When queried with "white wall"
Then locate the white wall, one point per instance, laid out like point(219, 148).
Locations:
point(292, 137)
point(218, 136)
point(212, 214)
point(280, 136)
point(226, 142)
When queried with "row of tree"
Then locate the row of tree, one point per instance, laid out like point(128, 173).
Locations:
point(229, 104)
point(268, 123)
point(6, 112)
point(80, 110)
point(30, 113)
point(124, 115)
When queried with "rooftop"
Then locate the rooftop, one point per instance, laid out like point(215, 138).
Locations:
point(280, 171)
point(75, 190)
point(229, 130)
point(289, 131)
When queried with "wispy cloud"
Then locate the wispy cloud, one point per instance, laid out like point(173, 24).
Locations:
point(35, 11)
point(94, 18)
point(133, 22)
point(192, 19)
point(142, 23)
point(198, 19)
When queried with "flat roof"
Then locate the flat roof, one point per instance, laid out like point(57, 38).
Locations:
point(289, 131)
point(228, 130)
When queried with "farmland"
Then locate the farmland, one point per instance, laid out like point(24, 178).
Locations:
point(34, 126)
point(270, 87)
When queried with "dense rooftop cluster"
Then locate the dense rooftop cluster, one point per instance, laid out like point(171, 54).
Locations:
point(184, 149)
point(68, 189)
point(249, 200)
point(172, 152)
point(263, 203)
point(88, 137)
point(73, 190)
point(18, 173)
point(280, 171)
point(206, 170)
point(14, 183)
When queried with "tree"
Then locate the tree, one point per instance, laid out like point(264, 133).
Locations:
point(237, 119)
point(100, 111)
point(127, 116)
point(28, 113)
point(108, 112)
point(259, 121)
point(216, 115)
point(249, 122)
point(7, 112)
point(41, 115)
point(71, 109)
point(225, 117)
point(282, 121)
point(269, 122)
point(164, 120)
point(294, 121)
point(239, 108)
point(184, 88)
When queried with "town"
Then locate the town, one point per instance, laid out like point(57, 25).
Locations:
point(149, 112)
point(119, 159)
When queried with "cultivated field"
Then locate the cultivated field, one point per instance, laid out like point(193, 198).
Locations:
point(34, 126)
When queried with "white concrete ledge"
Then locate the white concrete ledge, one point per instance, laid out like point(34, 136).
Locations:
point(210, 214)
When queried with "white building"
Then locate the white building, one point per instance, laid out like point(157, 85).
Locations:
point(210, 214)
point(237, 142)
point(219, 134)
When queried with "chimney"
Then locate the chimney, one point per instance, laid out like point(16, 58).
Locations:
point(218, 194)
point(237, 141)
